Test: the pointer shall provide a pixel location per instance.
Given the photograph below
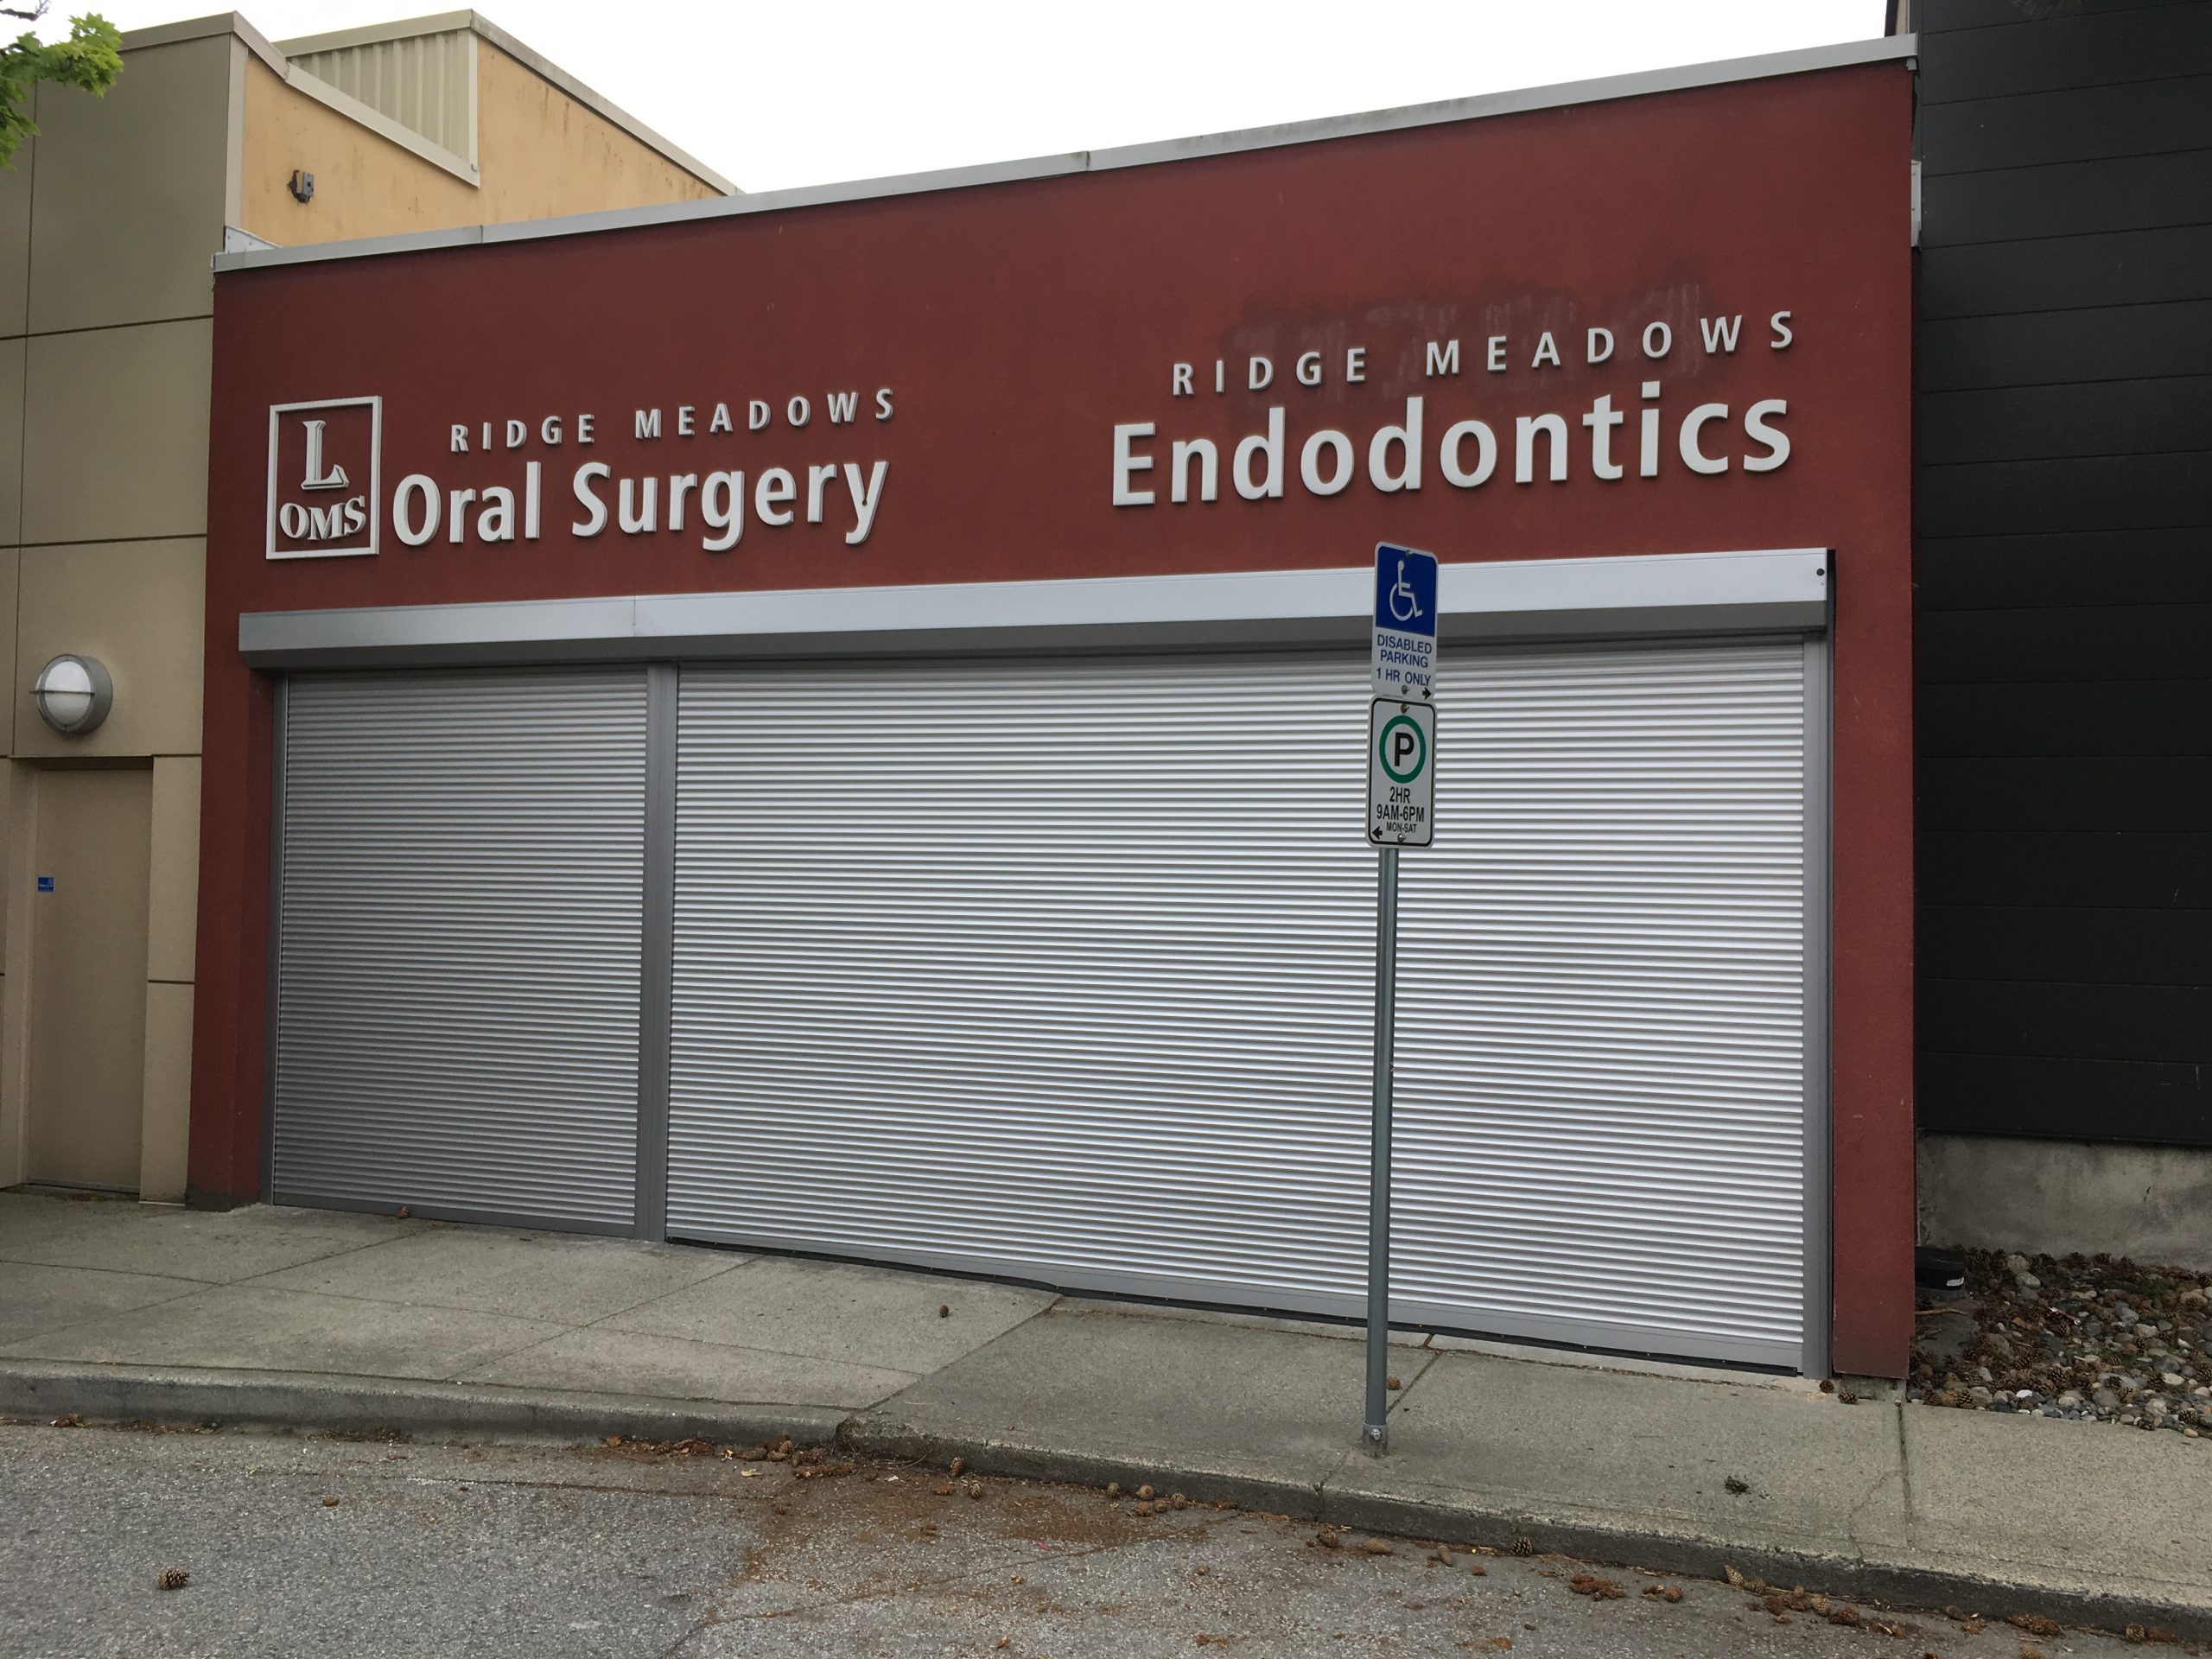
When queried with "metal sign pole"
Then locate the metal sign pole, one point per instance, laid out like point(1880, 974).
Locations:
point(1377, 1432)
point(1400, 812)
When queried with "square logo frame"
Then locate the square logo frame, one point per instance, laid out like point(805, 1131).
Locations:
point(276, 413)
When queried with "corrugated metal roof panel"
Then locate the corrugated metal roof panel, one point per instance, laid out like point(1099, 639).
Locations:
point(427, 83)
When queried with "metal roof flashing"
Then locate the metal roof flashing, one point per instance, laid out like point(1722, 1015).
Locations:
point(1611, 88)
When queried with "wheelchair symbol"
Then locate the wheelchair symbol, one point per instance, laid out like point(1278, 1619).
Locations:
point(1403, 605)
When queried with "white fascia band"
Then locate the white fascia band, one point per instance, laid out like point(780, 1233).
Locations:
point(1775, 591)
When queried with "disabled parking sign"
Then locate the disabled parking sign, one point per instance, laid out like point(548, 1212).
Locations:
point(1405, 624)
point(1402, 719)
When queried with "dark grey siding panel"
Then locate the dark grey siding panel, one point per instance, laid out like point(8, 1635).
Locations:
point(2126, 793)
point(2097, 868)
point(2126, 268)
point(2065, 348)
point(2061, 570)
point(2084, 124)
point(2104, 47)
point(2132, 192)
point(2170, 1024)
point(1939, 16)
point(2160, 1102)
point(2105, 642)
point(2117, 418)
point(2097, 492)
point(2104, 947)
point(2124, 718)
point(2064, 573)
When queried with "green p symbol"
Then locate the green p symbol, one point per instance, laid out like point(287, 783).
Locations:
point(1404, 752)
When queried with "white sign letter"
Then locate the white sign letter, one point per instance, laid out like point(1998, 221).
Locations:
point(865, 501)
point(1407, 438)
point(1208, 460)
point(403, 524)
point(1309, 462)
point(1601, 420)
point(1255, 447)
point(1758, 429)
point(1486, 453)
point(770, 491)
point(1693, 457)
point(592, 505)
point(1525, 446)
point(1127, 463)
point(721, 507)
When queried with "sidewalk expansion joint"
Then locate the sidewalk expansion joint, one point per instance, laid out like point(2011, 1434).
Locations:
point(1904, 1471)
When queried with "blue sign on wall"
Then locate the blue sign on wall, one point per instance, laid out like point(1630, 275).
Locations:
point(46, 884)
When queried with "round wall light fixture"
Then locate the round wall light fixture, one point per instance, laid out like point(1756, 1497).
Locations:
point(74, 694)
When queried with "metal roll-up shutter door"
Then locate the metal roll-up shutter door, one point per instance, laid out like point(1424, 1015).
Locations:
point(1603, 1011)
point(458, 944)
point(1065, 971)
point(1052, 969)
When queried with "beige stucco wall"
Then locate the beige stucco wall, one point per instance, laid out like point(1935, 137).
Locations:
point(543, 153)
point(127, 192)
point(104, 338)
point(539, 153)
point(15, 252)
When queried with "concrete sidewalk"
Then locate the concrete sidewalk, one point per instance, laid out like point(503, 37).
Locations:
point(312, 1320)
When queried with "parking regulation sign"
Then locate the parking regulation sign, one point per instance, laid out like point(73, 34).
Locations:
point(1400, 773)
point(1405, 624)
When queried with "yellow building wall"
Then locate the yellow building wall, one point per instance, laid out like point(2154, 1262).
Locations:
point(539, 153)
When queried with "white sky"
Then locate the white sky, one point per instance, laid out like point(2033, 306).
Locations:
point(804, 91)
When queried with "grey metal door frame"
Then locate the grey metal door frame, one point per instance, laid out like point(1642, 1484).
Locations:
point(1820, 1130)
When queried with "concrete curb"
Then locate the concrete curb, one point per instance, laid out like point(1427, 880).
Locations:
point(875, 1435)
point(299, 1401)
point(313, 1401)
point(1862, 1578)
point(1469, 1519)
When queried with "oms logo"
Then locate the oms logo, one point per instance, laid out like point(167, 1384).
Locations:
point(324, 461)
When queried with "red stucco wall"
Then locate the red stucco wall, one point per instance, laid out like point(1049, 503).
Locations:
point(1016, 324)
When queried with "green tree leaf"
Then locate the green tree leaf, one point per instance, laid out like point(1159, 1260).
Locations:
point(89, 60)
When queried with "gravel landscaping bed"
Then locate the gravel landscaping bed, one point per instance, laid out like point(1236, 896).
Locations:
point(2096, 1337)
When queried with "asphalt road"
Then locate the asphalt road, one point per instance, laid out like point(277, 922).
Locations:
point(552, 1552)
